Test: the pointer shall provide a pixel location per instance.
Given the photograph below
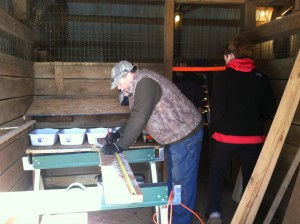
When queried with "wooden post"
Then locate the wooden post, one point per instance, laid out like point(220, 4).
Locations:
point(59, 78)
point(169, 34)
point(249, 15)
point(265, 165)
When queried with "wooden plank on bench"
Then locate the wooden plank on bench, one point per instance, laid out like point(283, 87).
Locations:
point(116, 189)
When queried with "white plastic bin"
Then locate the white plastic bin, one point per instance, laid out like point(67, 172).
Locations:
point(44, 136)
point(94, 133)
point(72, 136)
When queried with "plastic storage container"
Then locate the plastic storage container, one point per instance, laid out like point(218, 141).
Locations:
point(94, 133)
point(72, 136)
point(44, 136)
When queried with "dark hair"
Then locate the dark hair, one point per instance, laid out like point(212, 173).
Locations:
point(240, 48)
point(133, 70)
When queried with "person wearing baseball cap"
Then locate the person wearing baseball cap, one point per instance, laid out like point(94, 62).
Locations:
point(119, 71)
point(159, 107)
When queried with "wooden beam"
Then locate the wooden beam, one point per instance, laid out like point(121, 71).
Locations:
point(59, 78)
point(14, 108)
point(261, 175)
point(212, 1)
point(21, 9)
point(15, 134)
point(249, 15)
point(297, 5)
point(12, 26)
point(169, 38)
point(123, 2)
point(147, 21)
point(116, 189)
point(211, 22)
point(161, 2)
point(288, 24)
point(51, 107)
point(115, 19)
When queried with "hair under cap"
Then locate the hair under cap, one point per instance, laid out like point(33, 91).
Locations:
point(120, 70)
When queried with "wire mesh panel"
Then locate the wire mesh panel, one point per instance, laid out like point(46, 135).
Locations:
point(99, 31)
point(14, 37)
point(112, 30)
point(203, 30)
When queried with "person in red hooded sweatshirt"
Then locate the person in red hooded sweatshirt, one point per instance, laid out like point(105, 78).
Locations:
point(242, 99)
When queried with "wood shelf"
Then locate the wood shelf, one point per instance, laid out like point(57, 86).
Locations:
point(85, 147)
point(67, 107)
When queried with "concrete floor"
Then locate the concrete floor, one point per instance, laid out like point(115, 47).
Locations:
point(144, 215)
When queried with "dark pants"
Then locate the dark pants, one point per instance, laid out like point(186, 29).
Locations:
point(220, 162)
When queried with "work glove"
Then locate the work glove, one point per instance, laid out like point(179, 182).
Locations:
point(112, 137)
point(111, 149)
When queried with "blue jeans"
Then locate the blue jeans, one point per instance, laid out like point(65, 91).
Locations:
point(182, 167)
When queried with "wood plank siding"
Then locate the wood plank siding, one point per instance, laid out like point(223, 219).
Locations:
point(16, 95)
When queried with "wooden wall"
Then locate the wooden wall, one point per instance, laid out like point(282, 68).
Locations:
point(278, 70)
point(16, 95)
point(61, 80)
point(78, 81)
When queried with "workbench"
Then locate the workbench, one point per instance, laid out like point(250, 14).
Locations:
point(65, 156)
point(58, 156)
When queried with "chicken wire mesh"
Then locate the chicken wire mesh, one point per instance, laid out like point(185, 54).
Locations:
point(113, 30)
point(109, 31)
point(10, 43)
point(98, 31)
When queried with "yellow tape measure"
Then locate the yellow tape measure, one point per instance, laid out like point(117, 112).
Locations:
point(129, 183)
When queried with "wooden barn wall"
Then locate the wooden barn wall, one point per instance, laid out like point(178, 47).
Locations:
point(78, 81)
point(16, 95)
point(278, 70)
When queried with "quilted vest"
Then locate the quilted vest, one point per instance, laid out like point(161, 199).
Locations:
point(174, 116)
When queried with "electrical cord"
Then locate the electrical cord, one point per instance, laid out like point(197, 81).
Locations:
point(171, 211)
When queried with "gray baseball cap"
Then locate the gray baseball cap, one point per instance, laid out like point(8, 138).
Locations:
point(118, 71)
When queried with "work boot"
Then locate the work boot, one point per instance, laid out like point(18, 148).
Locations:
point(215, 220)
